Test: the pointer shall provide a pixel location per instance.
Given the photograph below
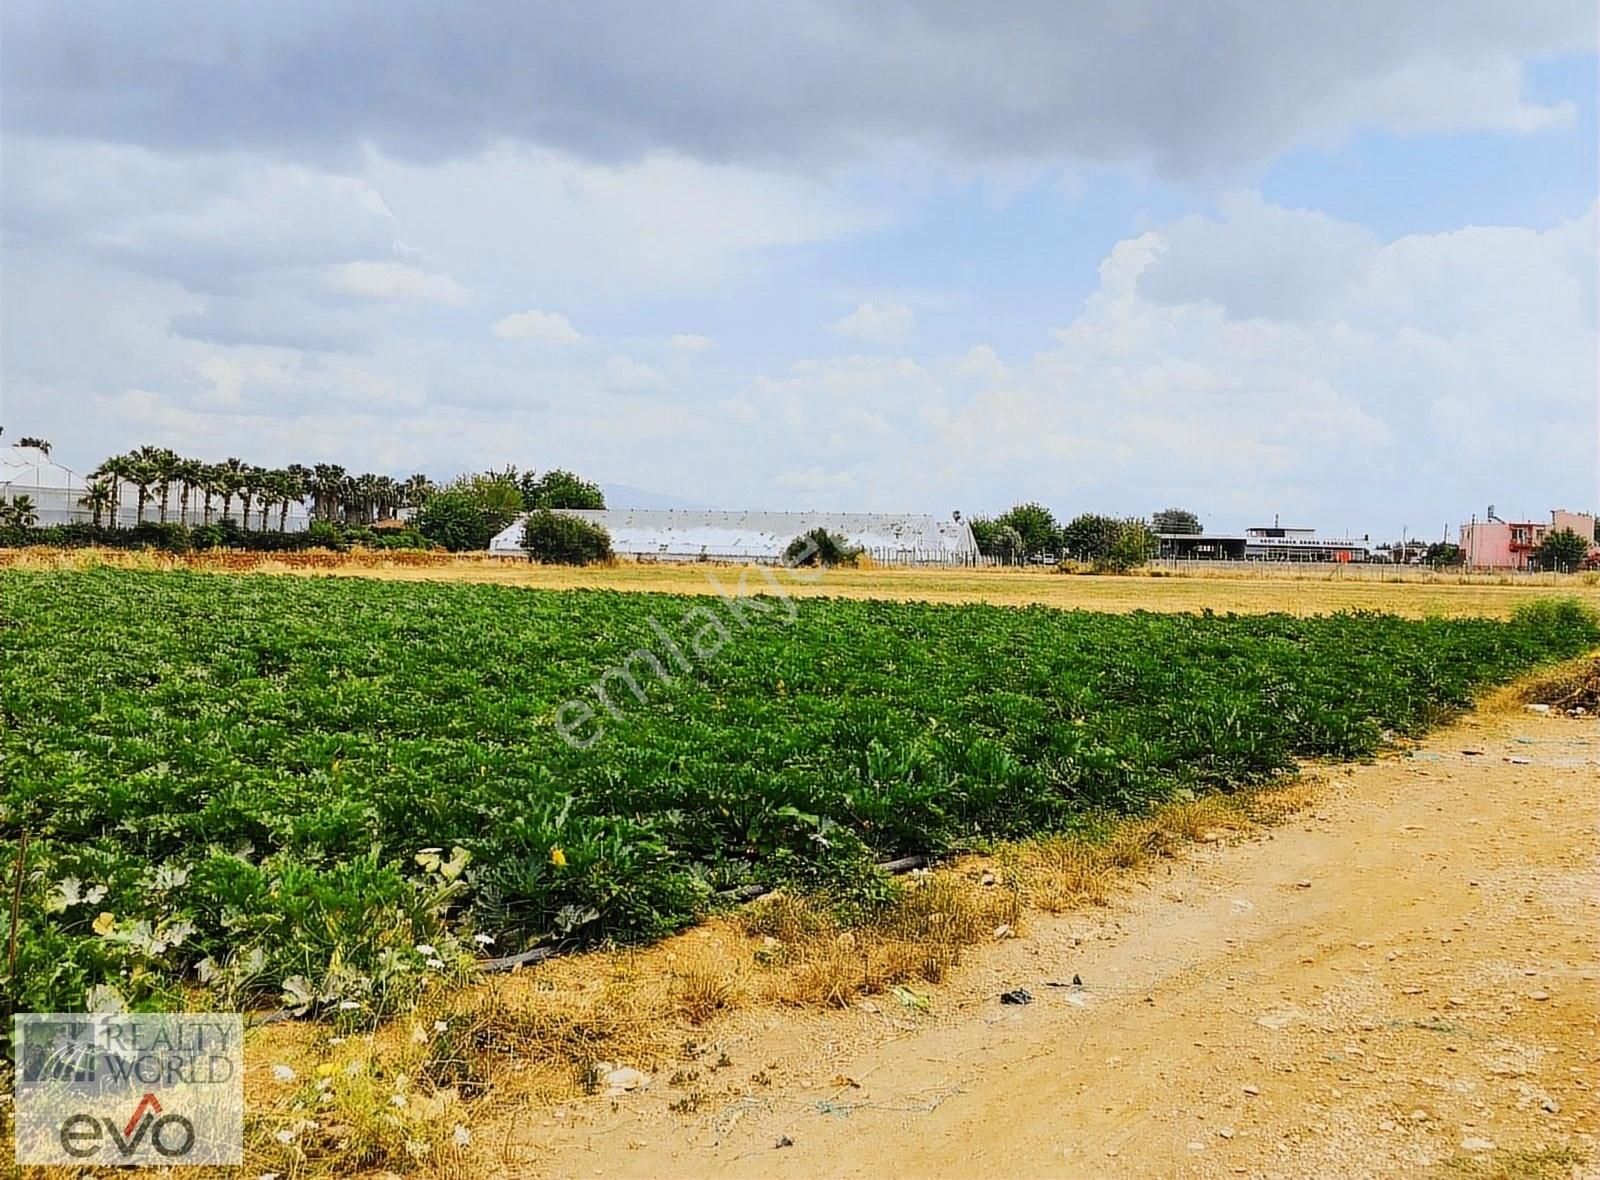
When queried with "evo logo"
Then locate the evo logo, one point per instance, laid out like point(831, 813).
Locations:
point(84, 1136)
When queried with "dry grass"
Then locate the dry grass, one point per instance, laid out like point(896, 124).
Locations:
point(1544, 1163)
point(1061, 873)
point(1574, 684)
point(1414, 593)
point(814, 961)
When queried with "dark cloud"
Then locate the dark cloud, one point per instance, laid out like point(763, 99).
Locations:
point(1187, 86)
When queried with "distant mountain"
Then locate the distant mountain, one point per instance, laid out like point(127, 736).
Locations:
point(620, 495)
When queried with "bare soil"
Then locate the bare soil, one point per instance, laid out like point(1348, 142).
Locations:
point(1401, 981)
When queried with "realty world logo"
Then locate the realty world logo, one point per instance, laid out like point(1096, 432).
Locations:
point(133, 1089)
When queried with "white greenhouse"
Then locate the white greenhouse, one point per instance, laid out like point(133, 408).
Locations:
point(53, 490)
point(670, 534)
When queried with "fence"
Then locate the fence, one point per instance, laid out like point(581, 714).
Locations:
point(1376, 571)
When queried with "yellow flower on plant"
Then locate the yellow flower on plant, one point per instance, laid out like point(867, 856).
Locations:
point(104, 924)
point(558, 858)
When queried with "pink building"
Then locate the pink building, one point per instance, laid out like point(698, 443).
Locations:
point(1509, 545)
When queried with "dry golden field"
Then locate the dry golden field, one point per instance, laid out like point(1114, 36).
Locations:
point(1414, 593)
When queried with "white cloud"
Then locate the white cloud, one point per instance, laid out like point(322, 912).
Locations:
point(397, 281)
point(1291, 357)
point(887, 324)
point(814, 480)
point(1263, 360)
point(688, 342)
point(546, 327)
point(661, 224)
point(739, 410)
point(982, 364)
point(626, 375)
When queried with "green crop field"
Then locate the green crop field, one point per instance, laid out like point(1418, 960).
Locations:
point(338, 787)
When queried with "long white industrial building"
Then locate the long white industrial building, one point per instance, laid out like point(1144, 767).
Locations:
point(670, 534)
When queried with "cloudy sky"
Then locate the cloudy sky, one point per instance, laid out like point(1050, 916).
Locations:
point(1332, 261)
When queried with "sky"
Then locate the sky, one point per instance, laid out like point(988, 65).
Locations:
point(1334, 264)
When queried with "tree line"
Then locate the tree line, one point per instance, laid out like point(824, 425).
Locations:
point(168, 491)
point(161, 479)
point(1031, 533)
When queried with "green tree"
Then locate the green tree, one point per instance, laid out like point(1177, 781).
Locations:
point(997, 540)
point(20, 514)
point(1110, 544)
point(1176, 520)
point(297, 486)
point(97, 498)
point(1443, 553)
point(466, 513)
point(1135, 544)
point(117, 470)
point(1090, 536)
point(327, 489)
point(42, 444)
point(143, 475)
point(560, 489)
point(165, 465)
point(1562, 550)
point(820, 547)
point(558, 539)
point(415, 490)
point(1036, 525)
point(230, 475)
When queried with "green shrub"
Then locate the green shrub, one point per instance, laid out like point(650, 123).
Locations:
point(820, 547)
point(555, 538)
point(458, 518)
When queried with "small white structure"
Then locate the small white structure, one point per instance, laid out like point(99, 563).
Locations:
point(671, 534)
point(54, 490)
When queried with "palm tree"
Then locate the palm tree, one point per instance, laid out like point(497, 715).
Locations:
point(98, 496)
point(210, 483)
point(119, 470)
point(143, 474)
point(371, 495)
point(388, 496)
point(291, 489)
point(267, 487)
point(188, 475)
point(414, 492)
point(350, 498)
point(163, 467)
point(249, 489)
point(302, 481)
point(23, 515)
point(327, 490)
point(230, 479)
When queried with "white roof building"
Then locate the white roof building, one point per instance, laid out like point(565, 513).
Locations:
point(671, 534)
point(53, 489)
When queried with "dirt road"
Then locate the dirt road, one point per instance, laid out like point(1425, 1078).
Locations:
point(1403, 981)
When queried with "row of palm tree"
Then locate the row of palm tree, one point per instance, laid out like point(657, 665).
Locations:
point(153, 474)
